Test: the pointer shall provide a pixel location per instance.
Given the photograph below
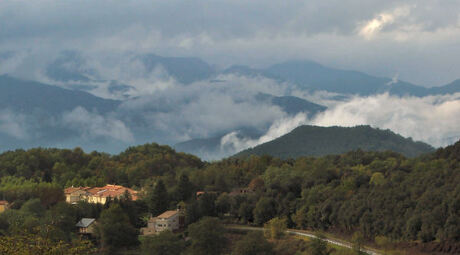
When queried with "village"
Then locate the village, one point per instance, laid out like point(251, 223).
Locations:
point(172, 220)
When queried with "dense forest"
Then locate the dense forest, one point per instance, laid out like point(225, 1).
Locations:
point(320, 141)
point(407, 201)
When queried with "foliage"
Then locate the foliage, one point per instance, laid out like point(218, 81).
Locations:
point(115, 229)
point(275, 228)
point(157, 199)
point(29, 244)
point(253, 243)
point(165, 243)
point(318, 246)
point(320, 141)
point(207, 236)
point(379, 194)
point(357, 241)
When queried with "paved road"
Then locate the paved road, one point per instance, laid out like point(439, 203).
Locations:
point(311, 235)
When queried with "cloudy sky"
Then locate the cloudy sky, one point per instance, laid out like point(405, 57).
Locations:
point(417, 41)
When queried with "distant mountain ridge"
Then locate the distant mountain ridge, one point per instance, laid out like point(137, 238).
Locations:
point(311, 75)
point(306, 74)
point(29, 96)
point(319, 141)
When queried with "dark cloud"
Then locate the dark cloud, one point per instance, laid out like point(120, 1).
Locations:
point(420, 44)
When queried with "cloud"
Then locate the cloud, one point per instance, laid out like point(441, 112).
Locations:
point(92, 125)
point(205, 108)
point(432, 119)
point(260, 35)
point(372, 27)
point(233, 142)
point(13, 124)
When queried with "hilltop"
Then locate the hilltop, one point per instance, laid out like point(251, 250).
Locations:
point(319, 141)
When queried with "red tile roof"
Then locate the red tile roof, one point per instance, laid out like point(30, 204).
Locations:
point(71, 190)
point(108, 190)
point(167, 214)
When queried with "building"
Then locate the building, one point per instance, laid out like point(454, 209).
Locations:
point(4, 205)
point(97, 194)
point(75, 194)
point(169, 220)
point(241, 191)
point(86, 226)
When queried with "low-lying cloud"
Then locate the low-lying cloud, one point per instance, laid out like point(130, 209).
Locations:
point(91, 125)
point(432, 119)
point(13, 124)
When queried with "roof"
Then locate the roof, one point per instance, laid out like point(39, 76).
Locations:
point(3, 202)
point(167, 214)
point(85, 222)
point(72, 189)
point(108, 190)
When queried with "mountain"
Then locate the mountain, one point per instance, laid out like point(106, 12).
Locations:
point(291, 105)
point(184, 70)
point(29, 97)
point(211, 148)
point(450, 88)
point(318, 141)
point(69, 66)
point(313, 76)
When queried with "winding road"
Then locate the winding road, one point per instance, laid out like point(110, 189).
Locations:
point(338, 242)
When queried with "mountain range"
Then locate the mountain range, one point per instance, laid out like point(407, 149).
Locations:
point(40, 107)
point(306, 74)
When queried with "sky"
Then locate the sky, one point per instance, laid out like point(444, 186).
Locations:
point(416, 41)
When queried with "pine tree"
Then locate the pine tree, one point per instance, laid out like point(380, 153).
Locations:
point(158, 199)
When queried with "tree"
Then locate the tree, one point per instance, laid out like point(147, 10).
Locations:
point(357, 241)
point(158, 200)
point(223, 204)
point(264, 211)
point(207, 237)
point(115, 229)
point(275, 228)
point(377, 179)
point(318, 246)
point(383, 242)
point(253, 243)
point(28, 244)
point(184, 188)
point(165, 243)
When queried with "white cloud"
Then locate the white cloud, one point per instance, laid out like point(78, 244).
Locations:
point(92, 125)
point(279, 128)
point(432, 119)
point(372, 27)
point(13, 124)
point(206, 108)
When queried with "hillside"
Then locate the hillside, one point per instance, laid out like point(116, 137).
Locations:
point(30, 97)
point(318, 141)
point(313, 76)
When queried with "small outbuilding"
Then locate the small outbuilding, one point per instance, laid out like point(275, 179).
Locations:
point(86, 226)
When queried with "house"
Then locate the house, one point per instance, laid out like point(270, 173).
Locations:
point(86, 226)
point(75, 194)
point(4, 205)
point(169, 220)
point(241, 191)
point(98, 195)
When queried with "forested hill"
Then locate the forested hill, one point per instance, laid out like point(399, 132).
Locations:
point(319, 141)
point(408, 202)
point(133, 167)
